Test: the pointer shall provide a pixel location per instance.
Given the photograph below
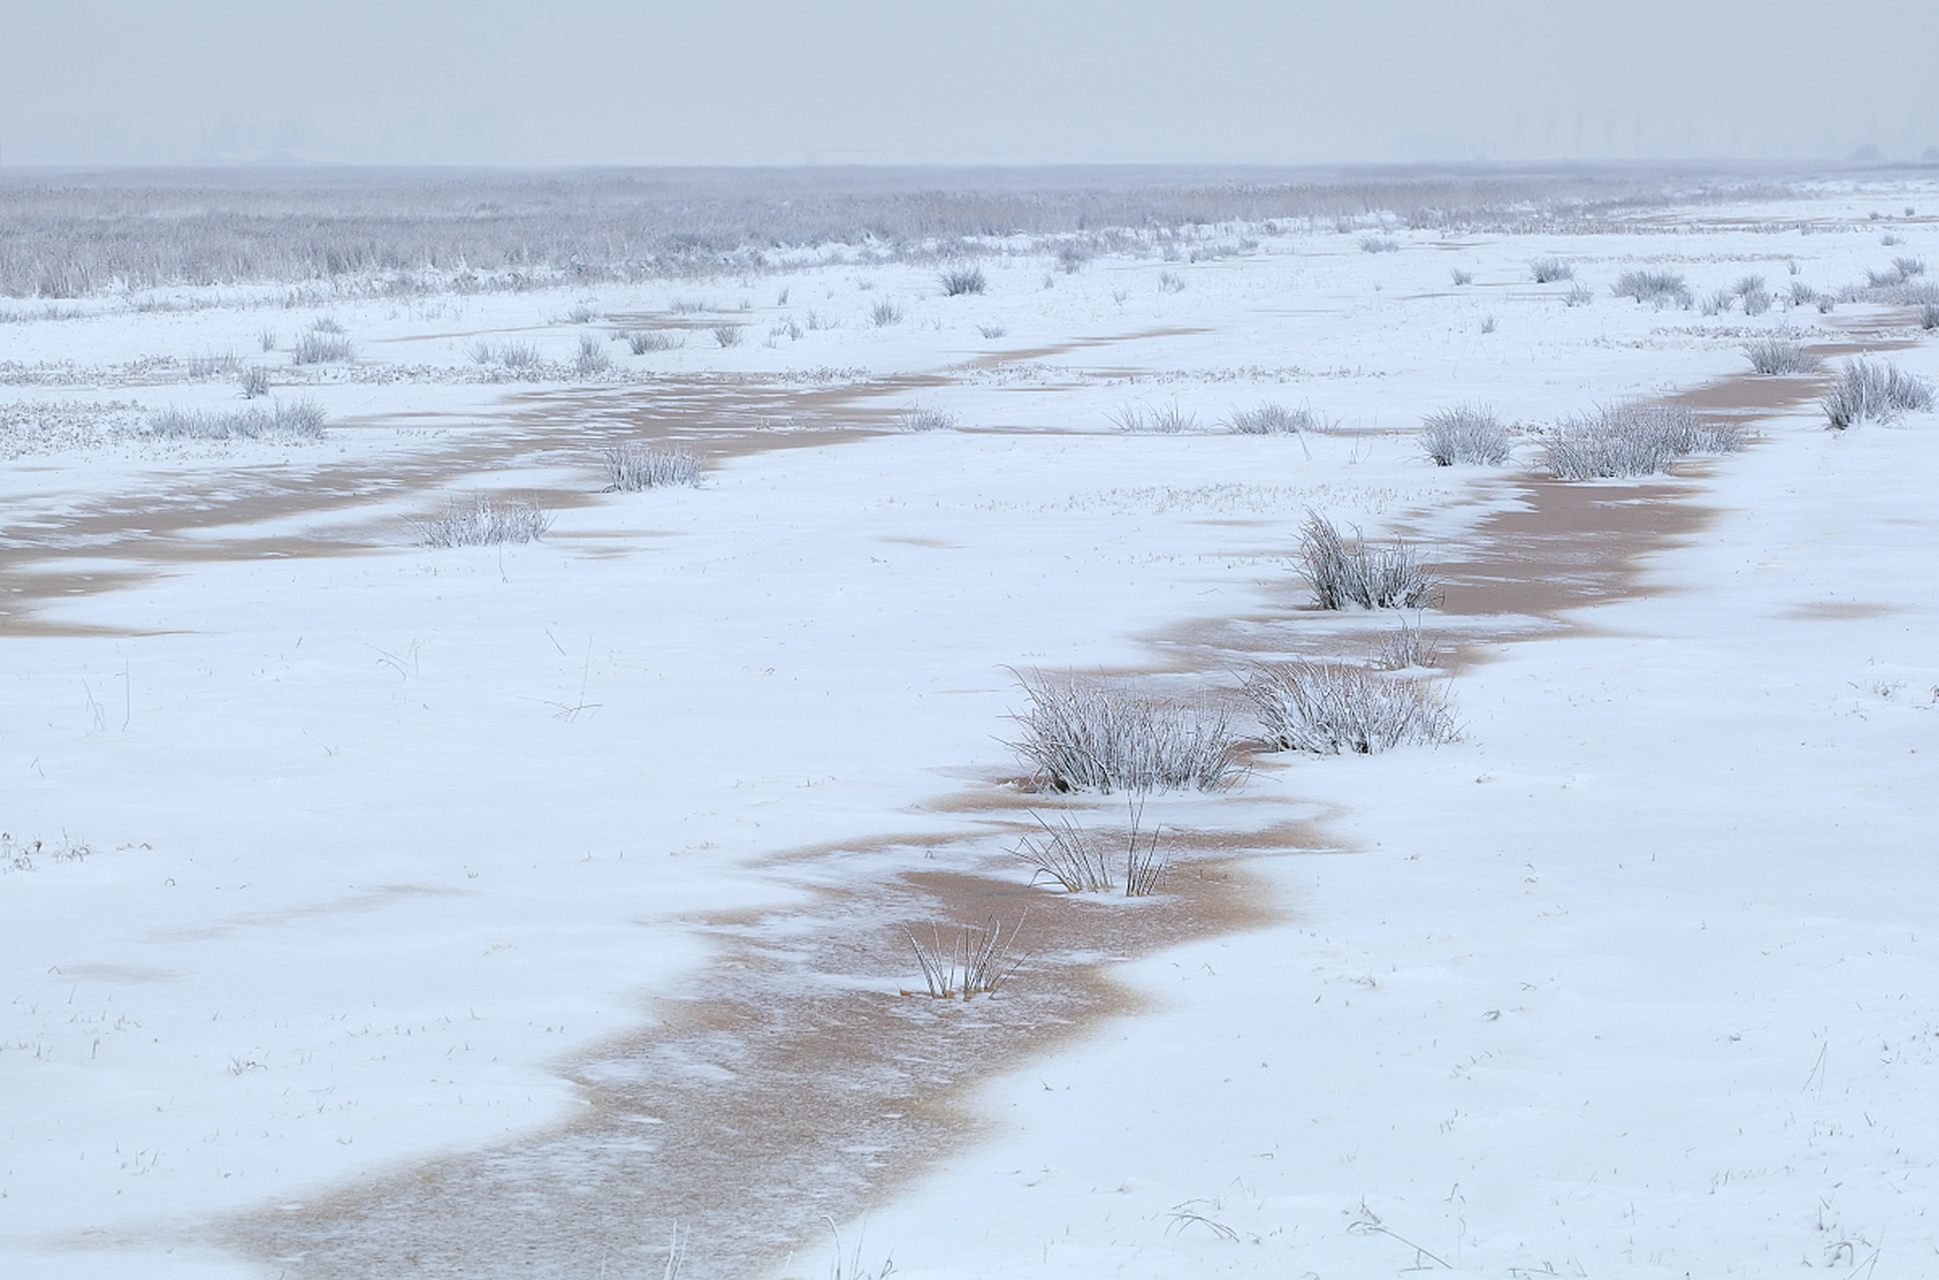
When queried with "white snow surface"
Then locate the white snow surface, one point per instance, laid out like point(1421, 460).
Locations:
point(1639, 977)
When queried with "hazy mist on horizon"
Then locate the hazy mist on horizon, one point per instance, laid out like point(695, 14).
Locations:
point(744, 82)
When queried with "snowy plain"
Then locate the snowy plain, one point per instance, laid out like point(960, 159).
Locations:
point(389, 846)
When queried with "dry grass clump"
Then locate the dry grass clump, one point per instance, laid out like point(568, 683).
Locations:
point(958, 281)
point(1660, 288)
point(510, 355)
point(641, 341)
point(296, 421)
point(885, 313)
point(484, 523)
point(1549, 270)
point(1273, 418)
point(1632, 440)
point(1867, 392)
point(1779, 354)
point(1334, 708)
point(322, 346)
point(1406, 649)
point(977, 963)
point(1469, 434)
point(1378, 244)
point(592, 359)
point(1080, 861)
point(635, 467)
point(1082, 737)
point(1344, 574)
point(1166, 419)
point(920, 418)
point(727, 335)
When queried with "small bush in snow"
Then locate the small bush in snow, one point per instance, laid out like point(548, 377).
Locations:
point(1462, 277)
point(1468, 434)
point(1549, 270)
point(300, 420)
point(958, 281)
point(1658, 287)
point(1579, 295)
point(1333, 708)
point(1929, 316)
point(1169, 283)
point(1779, 354)
point(1632, 440)
point(1081, 737)
point(918, 418)
point(1344, 574)
point(1271, 419)
point(634, 467)
point(1802, 294)
point(255, 382)
point(592, 359)
point(641, 341)
point(1378, 244)
point(511, 355)
point(1867, 392)
point(727, 335)
point(1406, 648)
point(977, 963)
point(885, 313)
point(992, 330)
point(1166, 419)
point(484, 523)
point(1079, 861)
point(317, 347)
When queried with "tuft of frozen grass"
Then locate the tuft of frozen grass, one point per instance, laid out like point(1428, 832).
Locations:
point(992, 330)
point(1072, 258)
point(1719, 303)
point(1166, 419)
point(1929, 315)
point(1344, 574)
point(885, 313)
point(254, 382)
point(484, 523)
point(1169, 283)
point(1271, 419)
point(1378, 244)
point(581, 314)
point(1488, 324)
point(1661, 288)
point(1408, 648)
point(1079, 861)
point(1901, 270)
point(267, 338)
point(1549, 270)
point(296, 421)
point(1867, 392)
point(919, 418)
point(634, 467)
point(727, 335)
point(1333, 708)
point(325, 324)
point(1802, 294)
point(1632, 440)
point(958, 281)
point(226, 365)
point(641, 341)
point(1470, 434)
point(1083, 737)
point(1752, 293)
point(976, 963)
point(1579, 295)
point(1779, 354)
point(592, 359)
point(321, 347)
point(1462, 277)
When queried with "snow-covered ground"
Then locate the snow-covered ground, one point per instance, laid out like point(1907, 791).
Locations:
point(387, 847)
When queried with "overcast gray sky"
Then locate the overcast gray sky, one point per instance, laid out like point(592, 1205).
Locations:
point(999, 81)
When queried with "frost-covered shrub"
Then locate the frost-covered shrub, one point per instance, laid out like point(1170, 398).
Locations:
point(958, 281)
point(319, 347)
point(1867, 392)
point(1162, 419)
point(1466, 433)
point(1272, 418)
point(592, 359)
point(1410, 646)
point(634, 467)
point(1343, 574)
point(484, 523)
point(1658, 287)
point(885, 313)
point(920, 418)
point(1083, 737)
point(1779, 354)
point(1378, 244)
point(1632, 440)
point(1549, 270)
point(641, 341)
point(1334, 708)
point(296, 421)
